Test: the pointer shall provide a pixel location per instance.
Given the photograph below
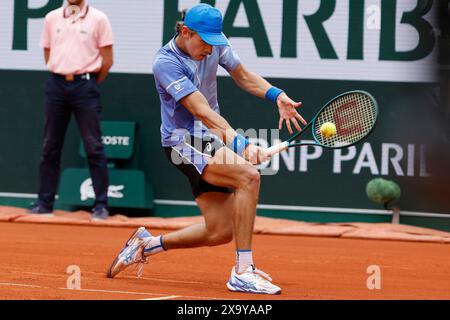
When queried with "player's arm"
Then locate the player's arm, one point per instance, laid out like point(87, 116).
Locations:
point(46, 55)
point(250, 81)
point(197, 104)
point(45, 42)
point(170, 76)
point(258, 86)
point(107, 62)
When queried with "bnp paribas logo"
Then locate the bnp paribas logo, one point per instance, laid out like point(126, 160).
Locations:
point(87, 191)
point(336, 31)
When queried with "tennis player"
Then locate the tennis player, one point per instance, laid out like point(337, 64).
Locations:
point(201, 144)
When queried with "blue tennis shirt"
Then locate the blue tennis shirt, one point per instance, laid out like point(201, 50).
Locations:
point(176, 76)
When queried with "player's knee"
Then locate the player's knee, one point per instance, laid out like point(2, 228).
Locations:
point(251, 178)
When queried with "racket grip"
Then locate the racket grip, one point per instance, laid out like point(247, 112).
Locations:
point(277, 148)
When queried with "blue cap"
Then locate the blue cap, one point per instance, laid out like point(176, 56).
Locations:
point(207, 22)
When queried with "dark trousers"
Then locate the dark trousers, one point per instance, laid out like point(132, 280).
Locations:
point(82, 98)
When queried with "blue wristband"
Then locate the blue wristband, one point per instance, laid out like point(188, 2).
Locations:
point(239, 144)
point(273, 93)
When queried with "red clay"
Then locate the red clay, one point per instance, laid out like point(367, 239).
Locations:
point(34, 259)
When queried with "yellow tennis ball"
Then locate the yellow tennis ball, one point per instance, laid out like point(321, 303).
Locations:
point(328, 129)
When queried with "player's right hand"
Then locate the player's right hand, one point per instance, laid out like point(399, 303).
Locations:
point(255, 155)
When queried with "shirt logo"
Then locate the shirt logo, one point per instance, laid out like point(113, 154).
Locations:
point(178, 87)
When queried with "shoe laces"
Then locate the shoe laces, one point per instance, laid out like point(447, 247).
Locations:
point(261, 273)
point(139, 269)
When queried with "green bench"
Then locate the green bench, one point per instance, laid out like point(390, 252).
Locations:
point(127, 189)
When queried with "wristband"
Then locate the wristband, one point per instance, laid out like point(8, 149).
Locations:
point(273, 93)
point(239, 144)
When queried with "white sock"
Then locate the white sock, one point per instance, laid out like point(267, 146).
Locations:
point(155, 246)
point(244, 259)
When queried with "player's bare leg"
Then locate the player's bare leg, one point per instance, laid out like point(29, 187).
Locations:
point(217, 209)
point(225, 214)
point(228, 170)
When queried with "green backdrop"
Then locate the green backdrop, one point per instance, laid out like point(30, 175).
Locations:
point(410, 114)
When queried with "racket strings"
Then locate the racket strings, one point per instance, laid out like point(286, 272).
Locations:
point(353, 114)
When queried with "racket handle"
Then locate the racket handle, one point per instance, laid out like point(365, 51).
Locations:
point(277, 148)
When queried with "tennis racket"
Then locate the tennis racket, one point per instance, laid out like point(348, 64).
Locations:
point(354, 114)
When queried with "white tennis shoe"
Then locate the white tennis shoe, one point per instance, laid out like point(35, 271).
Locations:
point(132, 253)
point(252, 281)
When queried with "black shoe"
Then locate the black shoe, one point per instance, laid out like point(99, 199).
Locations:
point(40, 210)
point(100, 214)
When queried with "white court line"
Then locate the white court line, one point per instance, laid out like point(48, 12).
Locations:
point(95, 273)
point(18, 195)
point(316, 209)
point(159, 295)
point(5, 284)
point(166, 280)
point(163, 298)
point(272, 207)
point(21, 195)
point(117, 291)
point(146, 293)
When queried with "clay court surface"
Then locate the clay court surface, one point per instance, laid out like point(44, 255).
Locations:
point(34, 259)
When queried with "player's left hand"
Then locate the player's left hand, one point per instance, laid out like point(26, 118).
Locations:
point(288, 113)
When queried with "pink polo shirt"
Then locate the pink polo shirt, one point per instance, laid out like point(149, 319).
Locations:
point(75, 47)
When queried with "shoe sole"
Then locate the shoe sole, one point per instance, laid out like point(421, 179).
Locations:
point(235, 289)
point(109, 273)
